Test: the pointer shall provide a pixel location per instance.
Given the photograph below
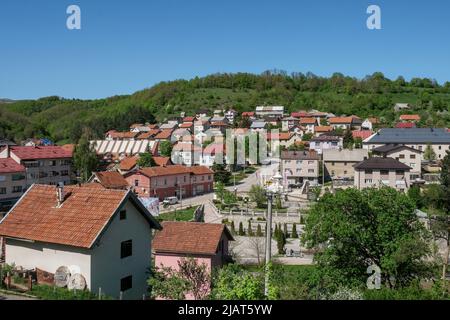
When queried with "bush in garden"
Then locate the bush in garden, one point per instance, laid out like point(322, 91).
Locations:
point(241, 229)
point(294, 233)
point(259, 231)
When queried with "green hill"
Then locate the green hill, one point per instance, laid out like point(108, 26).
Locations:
point(64, 120)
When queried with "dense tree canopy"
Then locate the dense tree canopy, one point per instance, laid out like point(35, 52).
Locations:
point(63, 120)
point(354, 229)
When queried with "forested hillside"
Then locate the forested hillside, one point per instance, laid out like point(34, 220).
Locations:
point(63, 120)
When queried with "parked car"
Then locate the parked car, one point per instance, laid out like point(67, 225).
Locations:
point(170, 200)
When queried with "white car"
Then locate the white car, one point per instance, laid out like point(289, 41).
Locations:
point(170, 200)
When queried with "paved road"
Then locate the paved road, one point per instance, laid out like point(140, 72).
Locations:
point(13, 297)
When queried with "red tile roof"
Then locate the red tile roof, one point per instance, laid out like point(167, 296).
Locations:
point(279, 136)
point(189, 238)
point(405, 125)
point(200, 170)
point(299, 114)
point(323, 128)
point(122, 135)
point(148, 134)
point(338, 120)
point(363, 134)
point(111, 180)
point(162, 161)
point(41, 152)
point(128, 163)
point(307, 121)
point(410, 117)
point(8, 165)
point(78, 222)
point(164, 134)
point(188, 119)
point(174, 170)
point(248, 114)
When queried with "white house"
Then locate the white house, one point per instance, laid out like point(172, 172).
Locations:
point(102, 235)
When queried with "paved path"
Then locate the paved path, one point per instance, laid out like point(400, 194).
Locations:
point(13, 297)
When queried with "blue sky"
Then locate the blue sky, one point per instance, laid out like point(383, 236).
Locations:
point(125, 46)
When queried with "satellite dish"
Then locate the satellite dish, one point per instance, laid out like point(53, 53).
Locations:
point(62, 276)
point(77, 282)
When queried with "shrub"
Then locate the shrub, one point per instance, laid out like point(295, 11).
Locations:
point(241, 229)
point(294, 233)
point(259, 231)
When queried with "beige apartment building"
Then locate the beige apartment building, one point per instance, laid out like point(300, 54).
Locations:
point(339, 163)
point(300, 166)
point(12, 183)
point(44, 164)
point(376, 172)
point(407, 155)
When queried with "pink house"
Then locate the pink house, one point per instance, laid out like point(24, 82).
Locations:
point(205, 242)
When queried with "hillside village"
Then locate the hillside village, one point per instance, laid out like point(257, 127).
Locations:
point(161, 193)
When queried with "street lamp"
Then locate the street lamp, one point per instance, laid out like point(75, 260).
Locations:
point(271, 190)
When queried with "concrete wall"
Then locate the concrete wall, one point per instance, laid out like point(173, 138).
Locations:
point(439, 149)
point(391, 179)
point(108, 268)
point(48, 257)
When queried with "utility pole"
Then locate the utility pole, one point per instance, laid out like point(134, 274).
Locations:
point(268, 241)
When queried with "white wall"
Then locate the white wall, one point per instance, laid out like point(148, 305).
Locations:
point(48, 257)
point(107, 266)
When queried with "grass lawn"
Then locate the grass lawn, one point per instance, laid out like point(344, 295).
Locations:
point(178, 215)
point(53, 293)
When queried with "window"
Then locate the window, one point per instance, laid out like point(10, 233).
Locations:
point(399, 172)
point(440, 147)
point(332, 163)
point(126, 283)
point(368, 181)
point(299, 162)
point(310, 162)
point(402, 156)
point(126, 249)
point(136, 183)
point(165, 182)
point(17, 189)
point(209, 177)
point(64, 173)
point(332, 172)
point(203, 178)
point(184, 178)
point(52, 163)
point(412, 156)
point(368, 171)
point(123, 214)
point(384, 172)
point(17, 177)
point(345, 163)
point(310, 170)
point(2, 190)
point(420, 148)
point(345, 171)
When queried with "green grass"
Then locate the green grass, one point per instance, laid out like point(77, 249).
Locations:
point(178, 215)
point(44, 292)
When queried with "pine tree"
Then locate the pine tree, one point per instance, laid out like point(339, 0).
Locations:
point(281, 242)
point(294, 231)
point(249, 229)
point(285, 231)
point(259, 231)
point(241, 229)
point(233, 230)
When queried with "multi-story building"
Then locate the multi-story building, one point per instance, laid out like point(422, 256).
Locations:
point(43, 165)
point(377, 172)
point(339, 163)
point(269, 111)
point(300, 166)
point(416, 138)
point(176, 180)
point(12, 183)
point(325, 142)
point(409, 156)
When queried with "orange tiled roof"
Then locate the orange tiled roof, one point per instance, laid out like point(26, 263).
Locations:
point(164, 134)
point(148, 134)
point(410, 117)
point(345, 120)
point(78, 222)
point(186, 125)
point(128, 163)
point(200, 170)
point(162, 161)
point(173, 170)
point(323, 129)
point(122, 135)
point(307, 121)
point(280, 136)
point(189, 237)
point(111, 179)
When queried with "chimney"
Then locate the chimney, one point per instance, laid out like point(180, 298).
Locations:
point(60, 194)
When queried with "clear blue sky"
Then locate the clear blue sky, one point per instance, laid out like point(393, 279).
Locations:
point(125, 46)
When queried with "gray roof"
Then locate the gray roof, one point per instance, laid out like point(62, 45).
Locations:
point(393, 147)
point(410, 136)
point(258, 125)
point(299, 155)
point(381, 163)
